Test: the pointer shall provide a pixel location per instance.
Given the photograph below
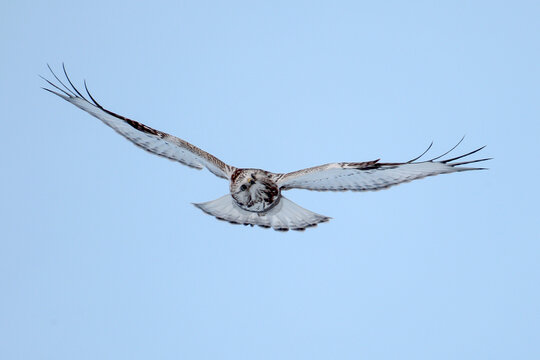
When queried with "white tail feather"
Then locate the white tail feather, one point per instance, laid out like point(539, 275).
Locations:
point(286, 215)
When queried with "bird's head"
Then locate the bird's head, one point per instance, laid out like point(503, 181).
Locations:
point(253, 190)
point(244, 182)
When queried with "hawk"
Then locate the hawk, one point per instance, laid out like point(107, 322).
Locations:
point(256, 196)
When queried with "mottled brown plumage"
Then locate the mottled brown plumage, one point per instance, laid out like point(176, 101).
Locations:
point(254, 190)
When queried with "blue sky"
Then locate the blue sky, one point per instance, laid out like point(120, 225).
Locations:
point(103, 256)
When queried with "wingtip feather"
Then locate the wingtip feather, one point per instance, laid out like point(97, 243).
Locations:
point(56, 93)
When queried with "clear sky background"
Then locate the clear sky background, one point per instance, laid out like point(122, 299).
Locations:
point(102, 255)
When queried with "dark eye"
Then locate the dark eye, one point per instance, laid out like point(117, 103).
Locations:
point(243, 187)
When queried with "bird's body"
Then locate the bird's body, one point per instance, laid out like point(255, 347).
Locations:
point(255, 195)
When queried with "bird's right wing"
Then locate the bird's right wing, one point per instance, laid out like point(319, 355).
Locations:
point(152, 140)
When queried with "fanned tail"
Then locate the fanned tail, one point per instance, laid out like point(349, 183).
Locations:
point(286, 215)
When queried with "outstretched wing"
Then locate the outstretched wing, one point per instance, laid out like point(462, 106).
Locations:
point(152, 140)
point(371, 175)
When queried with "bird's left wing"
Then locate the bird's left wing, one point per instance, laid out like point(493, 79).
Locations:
point(152, 140)
point(370, 175)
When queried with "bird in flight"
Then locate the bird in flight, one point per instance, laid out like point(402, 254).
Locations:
point(255, 195)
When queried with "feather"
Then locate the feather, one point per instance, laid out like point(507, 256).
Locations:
point(286, 215)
